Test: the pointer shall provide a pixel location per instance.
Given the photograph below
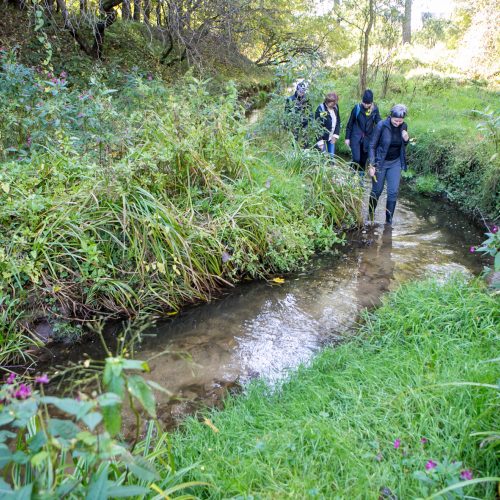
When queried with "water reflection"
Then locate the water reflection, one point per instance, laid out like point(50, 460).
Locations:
point(266, 329)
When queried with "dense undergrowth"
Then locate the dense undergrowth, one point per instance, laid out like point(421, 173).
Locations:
point(399, 412)
point(146, 197)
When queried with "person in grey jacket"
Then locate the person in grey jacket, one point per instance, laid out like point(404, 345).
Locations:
point(360, 127)
point(387, 157)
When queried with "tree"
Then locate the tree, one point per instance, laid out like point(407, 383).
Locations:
point(407, 22)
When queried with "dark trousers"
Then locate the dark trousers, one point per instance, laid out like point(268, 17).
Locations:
point(390, 172)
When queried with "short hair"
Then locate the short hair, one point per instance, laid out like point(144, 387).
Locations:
point(399, 111)
point(332, 97)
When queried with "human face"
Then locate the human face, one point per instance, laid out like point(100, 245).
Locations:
point(365, 105)
point(330, 105)
point(396, 122)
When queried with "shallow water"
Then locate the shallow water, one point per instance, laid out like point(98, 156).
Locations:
point(265, 329)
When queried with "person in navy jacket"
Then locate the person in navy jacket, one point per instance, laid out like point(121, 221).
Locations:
point(387, 157)
point(359, 131)
point(328, 117)
point(298, 113)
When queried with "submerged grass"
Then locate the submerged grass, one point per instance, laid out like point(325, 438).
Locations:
point(330, 430)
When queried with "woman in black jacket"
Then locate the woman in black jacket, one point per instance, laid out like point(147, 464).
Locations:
point(387, 157)
point(360, 127)
point(328, 117)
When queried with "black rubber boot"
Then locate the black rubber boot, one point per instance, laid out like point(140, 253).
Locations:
point(389, 211)
point(372, 205)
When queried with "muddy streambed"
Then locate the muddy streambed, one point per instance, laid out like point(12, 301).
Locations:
point(265, 329)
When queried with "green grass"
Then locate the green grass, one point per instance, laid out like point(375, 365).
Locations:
point(328, 431)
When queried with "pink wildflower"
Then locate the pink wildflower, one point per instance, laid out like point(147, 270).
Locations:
point(225, 257)
point(424, 440)
point(23, 392)
point(42, 379)
point(466, 475)
point(472, 249)
point(397, 443)
point(11, 378)
point(63, 74)
point(494, 229)
point(430, 465)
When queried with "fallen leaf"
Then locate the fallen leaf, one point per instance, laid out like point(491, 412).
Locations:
point(279, 280)
point(209, 423)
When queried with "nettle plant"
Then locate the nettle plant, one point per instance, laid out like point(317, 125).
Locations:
point(53, 447)
point(491, 246)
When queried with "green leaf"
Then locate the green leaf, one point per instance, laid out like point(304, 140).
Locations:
point(6, 417)
point(92, 420)
point(158, 387)
point(69, 405)
point(4, 435)
point(5, 488)
point(23, 493)
point(5, 456)
point(127, 491)
point(98, 489)
point(24, 411)
point(19, 457)
point(65, 488)
point(135, 364)
point(138, 387)
point(37, 441)
point(497, 262)
point(141, 468)
point(38, 459)
point(109, 399)
point(112, 419)
point(63, 428)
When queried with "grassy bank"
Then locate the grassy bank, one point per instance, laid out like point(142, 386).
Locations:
point(145, 197)
point(453, 124)
point(455, 148)
point(384, 413)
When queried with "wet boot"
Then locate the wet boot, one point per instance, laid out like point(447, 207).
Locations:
point(389, 211)
point(372, 205)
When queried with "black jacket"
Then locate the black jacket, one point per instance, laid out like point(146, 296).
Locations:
point(322, 116)
point(381, 141)
point(360, 128)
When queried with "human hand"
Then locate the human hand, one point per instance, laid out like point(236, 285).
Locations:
point(405, 135)
point(371, 171)
point(348, 143)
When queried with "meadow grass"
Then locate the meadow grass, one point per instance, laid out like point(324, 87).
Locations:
point(329, 430)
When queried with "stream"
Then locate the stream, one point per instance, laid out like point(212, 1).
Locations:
point(264, 329)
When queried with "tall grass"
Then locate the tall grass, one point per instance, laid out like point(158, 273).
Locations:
point(147, 197)
point(332, 429)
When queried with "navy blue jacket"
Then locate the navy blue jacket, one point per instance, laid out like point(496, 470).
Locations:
point(360, 129)
point(322, 116)
point(381, 141)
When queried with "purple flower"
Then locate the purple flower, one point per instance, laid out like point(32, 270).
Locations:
point(54, 80)
point(80, 115)
point(28, 141)
point(430, 465)
point(494, 229)
point(23, 392)
point(466, 474)
point(225, 257)
point(424, 440)
point(150, 76)
point(63, 74)
point(42, 379)
point(397, 443)
point(472, 249)
point(11, 378)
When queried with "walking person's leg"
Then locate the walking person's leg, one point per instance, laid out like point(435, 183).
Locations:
point(377, 188)
point(331, 148)
point(393, 175)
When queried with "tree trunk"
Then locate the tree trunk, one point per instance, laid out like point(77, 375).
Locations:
point(158, 12)
point(407, 22)
point(137, 10)
point(147, 11)
point(126, 10)
point(365, 46)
